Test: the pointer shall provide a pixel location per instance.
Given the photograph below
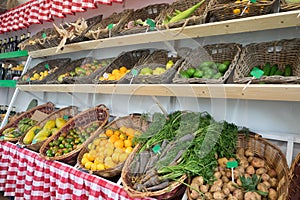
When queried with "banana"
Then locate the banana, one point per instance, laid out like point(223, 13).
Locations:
point(8, 130)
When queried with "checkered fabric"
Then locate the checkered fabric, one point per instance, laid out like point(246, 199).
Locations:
point(37, 11)
point(25, 175)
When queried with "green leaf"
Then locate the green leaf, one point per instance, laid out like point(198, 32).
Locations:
point(262, 193)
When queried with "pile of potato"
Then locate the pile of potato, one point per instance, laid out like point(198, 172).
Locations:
point(223, 188)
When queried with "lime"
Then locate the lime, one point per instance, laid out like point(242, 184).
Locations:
point(184, 74)
point(222, 68)
point(217, 75)
point(226, 62)
point(198, 74)
point(190, 71)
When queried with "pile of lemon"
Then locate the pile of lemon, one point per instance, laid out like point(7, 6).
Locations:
point(115, 75)
point(39, 76)
point(109, 149)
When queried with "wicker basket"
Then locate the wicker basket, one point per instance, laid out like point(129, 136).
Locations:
point(214, 52)
point(158, 58)
point(175, 189)
point(69, 111)
point(284, 6)
point(151, 12)
point(31, 44)
point(91, 22)
point(294, 187)
point(57, 65)
point(221, 10)
point(271, 154)
point(46, 108)
point(50, 38)
point(281, 52)
point(98, 114)
point(128, 59)
point(100, 30)
point(88, 78)
point(198, 17)
point(132, 121)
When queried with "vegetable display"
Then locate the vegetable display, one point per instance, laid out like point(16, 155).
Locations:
point(273, 70)
point(184, 143)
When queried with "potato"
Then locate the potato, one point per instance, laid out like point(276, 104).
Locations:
point(225, 179)
point(238, 194)
point(261, 171)
point(250, 159)
point(208, 195)
point(230, 197)
point(272, 173)
point(230, 186)
point(195, 186)
point(239, 182)
point(273, 182)
point(252, 196)
point(218, 195)
point(198, 180)
point(250, 170)
point(272, 194)
point(217, 175)
point(265, 177)
point(244, 163)
point(226, 191)
point(268, 185)
point(194, 194)
point(257, 163)
point(249, 153)
point(218, 183)
point(215, 188)
point(204, 188)
point(262, 187)
point(240, 153)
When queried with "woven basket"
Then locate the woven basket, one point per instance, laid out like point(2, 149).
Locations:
point(198, 17)
point(128, 59)
point(284, 6)
point(31, 44)
point(100, 30)
point(69, 111)
point(294, 187)
point(175, 189)
point(56, 64)
point(98, 114)
point(220, 10)
point(214, 52)
point(91, 22)
point(135, 122)
point(50, 38)
point(84, 79)
point(151, 12)
point(271, 154)
point(46, 108)
point(281, 52)
point(158, 58)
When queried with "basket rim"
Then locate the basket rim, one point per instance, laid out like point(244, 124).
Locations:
point(73, 152)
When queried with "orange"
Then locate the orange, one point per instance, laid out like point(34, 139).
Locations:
point(123, 69)
point(113, 138)
point(123, 136)
point(117, 133)
point(130, 132)
point(128, 150)
point(119, 144)
point(127, 143)
point(123, 129)
point(112, 78)
point(109, 132)
point(115, 72)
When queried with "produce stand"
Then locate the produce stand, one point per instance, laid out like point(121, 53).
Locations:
point(24, 174)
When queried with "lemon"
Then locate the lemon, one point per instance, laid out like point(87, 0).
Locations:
point(100, 166)
point(88, 165)
point(84, 161)
point(94, 167)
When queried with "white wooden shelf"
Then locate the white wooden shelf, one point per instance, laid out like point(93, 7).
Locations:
point(249, 24)
point(270, 92)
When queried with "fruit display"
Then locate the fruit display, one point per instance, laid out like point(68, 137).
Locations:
point(22, 127)
point(251, 178)
point(39, 75)
point(71, 140)
point(85, 69)
point(273, 70)
point(157, 70)
point(109, 149)
point(38, 134)
point(115, 74)
point(207, 69)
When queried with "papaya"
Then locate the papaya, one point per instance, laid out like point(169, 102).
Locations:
point(49, 125)
point(288, 70)
point(30, 134)
point(59, 122)
point(37, 140)
point(267, 69)
point(44, 133)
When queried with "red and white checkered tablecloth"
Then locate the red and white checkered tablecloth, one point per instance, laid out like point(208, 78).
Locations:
point(25, 175)
point(37, 11)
